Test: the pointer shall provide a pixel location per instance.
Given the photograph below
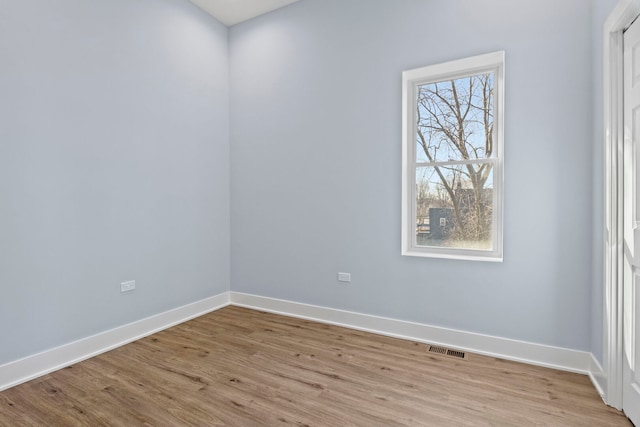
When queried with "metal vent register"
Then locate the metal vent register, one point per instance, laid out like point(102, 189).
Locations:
point(447, 352)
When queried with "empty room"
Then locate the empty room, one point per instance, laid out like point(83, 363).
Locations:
point(319, 212)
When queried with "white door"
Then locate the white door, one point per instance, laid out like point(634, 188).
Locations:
point(631, 225)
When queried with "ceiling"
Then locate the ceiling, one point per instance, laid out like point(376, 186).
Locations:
point(231, 12)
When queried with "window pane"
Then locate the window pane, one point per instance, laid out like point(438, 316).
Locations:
point(454, 206)
point(455, 119)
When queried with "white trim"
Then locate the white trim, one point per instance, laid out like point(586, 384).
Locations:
point(597, 376)
point(619, 19)
point(28, 368)
point(31, 367)
point(519, 351)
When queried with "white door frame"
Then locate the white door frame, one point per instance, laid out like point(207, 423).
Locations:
point(621, 17)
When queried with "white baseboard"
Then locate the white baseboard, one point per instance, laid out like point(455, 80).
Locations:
point(520, 351)
point(598, 377)
point(28, 368)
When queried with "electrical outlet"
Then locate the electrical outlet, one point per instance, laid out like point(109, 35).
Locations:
point(127, 286)
point(344, 277)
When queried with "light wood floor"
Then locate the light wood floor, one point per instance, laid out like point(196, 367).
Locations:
point(238, 367)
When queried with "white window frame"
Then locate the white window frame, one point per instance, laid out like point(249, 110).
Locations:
point(411, 79)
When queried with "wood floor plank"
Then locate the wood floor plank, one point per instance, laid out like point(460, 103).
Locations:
point(240, 367)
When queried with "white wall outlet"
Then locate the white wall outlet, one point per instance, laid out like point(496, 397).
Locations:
point(127, 286)
point(344, 277)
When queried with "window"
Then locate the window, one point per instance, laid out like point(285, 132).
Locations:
point(452, 159)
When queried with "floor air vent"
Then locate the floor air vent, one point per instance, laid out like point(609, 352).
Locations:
point(447, 352)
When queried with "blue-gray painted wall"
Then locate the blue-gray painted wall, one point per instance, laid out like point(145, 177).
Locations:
point(120, 160)
point(315, 162)
point(114, 165)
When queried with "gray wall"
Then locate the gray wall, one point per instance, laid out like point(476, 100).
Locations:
point(315, 162)
point(114, 165)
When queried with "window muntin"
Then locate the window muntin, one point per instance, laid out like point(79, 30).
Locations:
point(452, 159)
